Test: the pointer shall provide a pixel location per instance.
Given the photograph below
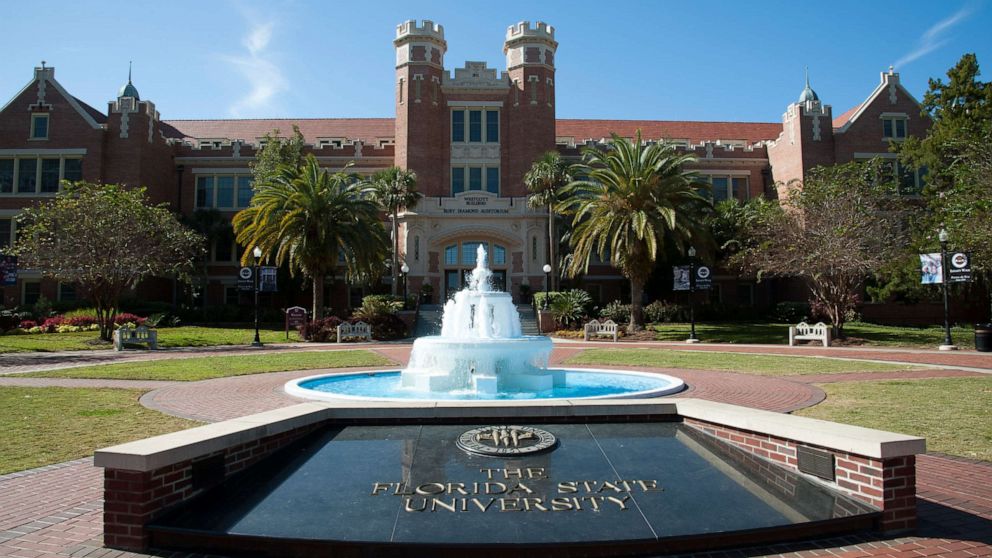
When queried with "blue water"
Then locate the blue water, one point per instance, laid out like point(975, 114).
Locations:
point(580, 383)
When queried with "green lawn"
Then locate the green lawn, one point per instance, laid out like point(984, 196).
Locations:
point(42, 426)
point(203, 368)
point(752, 364)
point(185, 336)
point(951, 413)
point(857, 334)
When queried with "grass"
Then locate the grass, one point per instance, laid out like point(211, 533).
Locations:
point(42, 426)
point(185, 336)
point(204, 368)
point(762, 365)
point(951, 413)
point(857, 334)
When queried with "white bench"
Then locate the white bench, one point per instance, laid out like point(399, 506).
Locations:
point(605, 329)
point(806, 332)
point(359, 330)
point(125, 335)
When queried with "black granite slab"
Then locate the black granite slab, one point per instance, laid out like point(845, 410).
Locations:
point(607, 486)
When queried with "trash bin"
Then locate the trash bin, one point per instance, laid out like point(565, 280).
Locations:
point(983, 337)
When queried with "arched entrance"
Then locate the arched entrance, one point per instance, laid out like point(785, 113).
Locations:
point(459, 260)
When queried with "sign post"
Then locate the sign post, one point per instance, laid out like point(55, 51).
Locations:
point(246, 279)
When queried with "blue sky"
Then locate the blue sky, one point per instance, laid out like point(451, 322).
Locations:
point(718, 60)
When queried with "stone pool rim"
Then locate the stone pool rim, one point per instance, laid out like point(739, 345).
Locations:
point(676, 385)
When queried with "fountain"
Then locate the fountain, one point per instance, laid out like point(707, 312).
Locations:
point(482, 354)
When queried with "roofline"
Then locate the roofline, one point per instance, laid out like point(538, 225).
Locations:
point(871, 98)
point(65, 94)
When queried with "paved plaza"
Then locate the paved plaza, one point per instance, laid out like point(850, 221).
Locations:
point(57, 510)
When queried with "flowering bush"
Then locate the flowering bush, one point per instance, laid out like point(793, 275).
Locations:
point(75, 321)
point(27, 324)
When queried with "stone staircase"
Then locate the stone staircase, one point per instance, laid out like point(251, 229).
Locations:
point(528, 319)
point(429, 320)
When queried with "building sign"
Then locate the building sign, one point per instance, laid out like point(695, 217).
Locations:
point(704, 278)
point(681, 279)
point(267, 279)
point(475, 210)
point(295, 318)
point(960, 269)
point(246, 277)
point(8, 270)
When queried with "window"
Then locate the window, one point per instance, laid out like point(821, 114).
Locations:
point(492, 126)
point(458, 126)
point(893, 127)
point(67, 292)
point(27, 175)
point(223, 250)
point(451, 255)
point(32, 292)
point(6, 233)
point(728, 187)
point(496, 253)
point(72, 170)
point(34, 175)
point(479, 179)
point(480, 129)
point(474, 126)
point(50, 175)
point(499, 255)
point(475, 178)
point(492, 180)
point(39, 126)
point(469, 252)
point(416, 248)
point(222, 191)
point(457, 180)
point(6, 176)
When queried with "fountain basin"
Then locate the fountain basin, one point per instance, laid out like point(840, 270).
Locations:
point(584, 383)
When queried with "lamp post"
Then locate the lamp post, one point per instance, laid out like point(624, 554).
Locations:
point(692, 298)
point(547, 283)
point(257, 252)
point(948, 344)
point(405, 269)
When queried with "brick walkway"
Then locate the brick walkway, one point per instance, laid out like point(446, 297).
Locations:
point(56, 510)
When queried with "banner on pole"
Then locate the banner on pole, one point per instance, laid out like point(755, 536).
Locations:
point(267, 279)
point(8, 271)
point(931, 269)
point(681, 278)
point(960, 269)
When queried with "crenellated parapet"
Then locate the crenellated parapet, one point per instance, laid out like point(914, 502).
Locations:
point(420, 44)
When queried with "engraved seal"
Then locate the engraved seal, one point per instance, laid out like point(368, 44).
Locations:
point(506, 441)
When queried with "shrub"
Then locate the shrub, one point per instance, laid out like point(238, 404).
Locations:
point(321, 331)
point(387, 327)
point(43, 308)
point(10, 319)
point(663, 312)
point(375, 306)
point(541, 295)
point(569, 307)
point(616, 311)
point(128, 318)
point(162, 319)
point(27, 324)
point(791, 312)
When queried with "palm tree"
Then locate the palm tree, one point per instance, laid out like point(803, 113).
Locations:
point(634, 202)
point(545, 180)
point(314, 220)
point(394, 189)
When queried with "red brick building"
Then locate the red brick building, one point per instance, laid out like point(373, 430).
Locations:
point(469, 133)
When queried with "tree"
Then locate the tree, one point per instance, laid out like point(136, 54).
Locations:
point(955, 151)
point(545, 180)
point(313, 220)
point(394, 189)
point(105, 238)
point(213, 227)
point(843, 223)
point(274, 153)
point(635, 201)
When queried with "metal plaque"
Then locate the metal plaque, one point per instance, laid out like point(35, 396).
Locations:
point(506, 441)
point(816, 462)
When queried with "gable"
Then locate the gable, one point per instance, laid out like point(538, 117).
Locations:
point(68, 116)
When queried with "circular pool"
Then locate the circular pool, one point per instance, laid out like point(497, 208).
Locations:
point(585, 383)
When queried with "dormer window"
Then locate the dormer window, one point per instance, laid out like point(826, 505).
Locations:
point(894, 127)
point(39, 126)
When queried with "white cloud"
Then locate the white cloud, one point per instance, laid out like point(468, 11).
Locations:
point(933, 38)
point(264, 77)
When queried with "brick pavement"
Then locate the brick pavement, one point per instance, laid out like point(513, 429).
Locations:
point(56, 510)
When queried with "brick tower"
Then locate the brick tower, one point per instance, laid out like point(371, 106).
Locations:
point(421, 123)
point(807, 140)
point(530, 106)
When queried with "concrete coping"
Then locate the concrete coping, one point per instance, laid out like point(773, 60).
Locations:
point(161, 451)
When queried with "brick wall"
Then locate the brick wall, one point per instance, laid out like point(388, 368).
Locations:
point(888, 484)
point(133, 499)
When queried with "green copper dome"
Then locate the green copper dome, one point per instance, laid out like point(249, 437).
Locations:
point(128, 89)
